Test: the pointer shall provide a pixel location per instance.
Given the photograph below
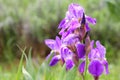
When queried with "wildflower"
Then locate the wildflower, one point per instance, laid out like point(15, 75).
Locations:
point(73, 19)
point(55, 46)
point(97, 60)
point(75, 44)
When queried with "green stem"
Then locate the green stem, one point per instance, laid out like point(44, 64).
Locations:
point(86, 67)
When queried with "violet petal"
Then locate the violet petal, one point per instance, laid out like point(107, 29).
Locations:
point(106, 66)
point(50, 43)
point(58, 42)
point(95, 68)
point(81, 67)
point(80, 50)
point(70, 39)
point(62, 23)
point(69, 64)
point(87, 27)
point(101, 48)
point(90, 20)
point(54, 60)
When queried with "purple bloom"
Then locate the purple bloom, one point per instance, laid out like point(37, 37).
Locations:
point(97, 60)
point(55, 46)
point(75, 44)
point(74, 17)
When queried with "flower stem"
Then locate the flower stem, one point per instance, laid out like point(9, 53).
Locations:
point(86, 66)
point(96, 78)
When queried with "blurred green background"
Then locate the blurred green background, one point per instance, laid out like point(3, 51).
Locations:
point(26, 23)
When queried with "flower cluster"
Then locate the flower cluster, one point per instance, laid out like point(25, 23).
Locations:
point(75, 44)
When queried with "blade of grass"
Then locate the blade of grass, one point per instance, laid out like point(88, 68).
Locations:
point(19, 72)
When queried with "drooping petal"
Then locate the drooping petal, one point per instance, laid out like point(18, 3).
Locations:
point(106, 66)
point(90, 20)
point(81, 67)
point(69, 64)
point(80, 50)
point(54, 60)
point(95, 68)
point(50, 43)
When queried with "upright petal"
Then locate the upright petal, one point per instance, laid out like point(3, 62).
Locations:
point(101, 48)
point(95, 68)
point(54, 60)
point(76, 10)
point(58, 43)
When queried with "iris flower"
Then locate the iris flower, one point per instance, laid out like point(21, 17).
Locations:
point(73, 20)
point(75, 44)
point(61, 52)
point(98, 60)
point(55, 46)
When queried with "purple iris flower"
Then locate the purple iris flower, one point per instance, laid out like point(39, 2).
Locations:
point(75, 44)
point(98, 60)
point(73, 19)
point(62, 53)
point(55, 46)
